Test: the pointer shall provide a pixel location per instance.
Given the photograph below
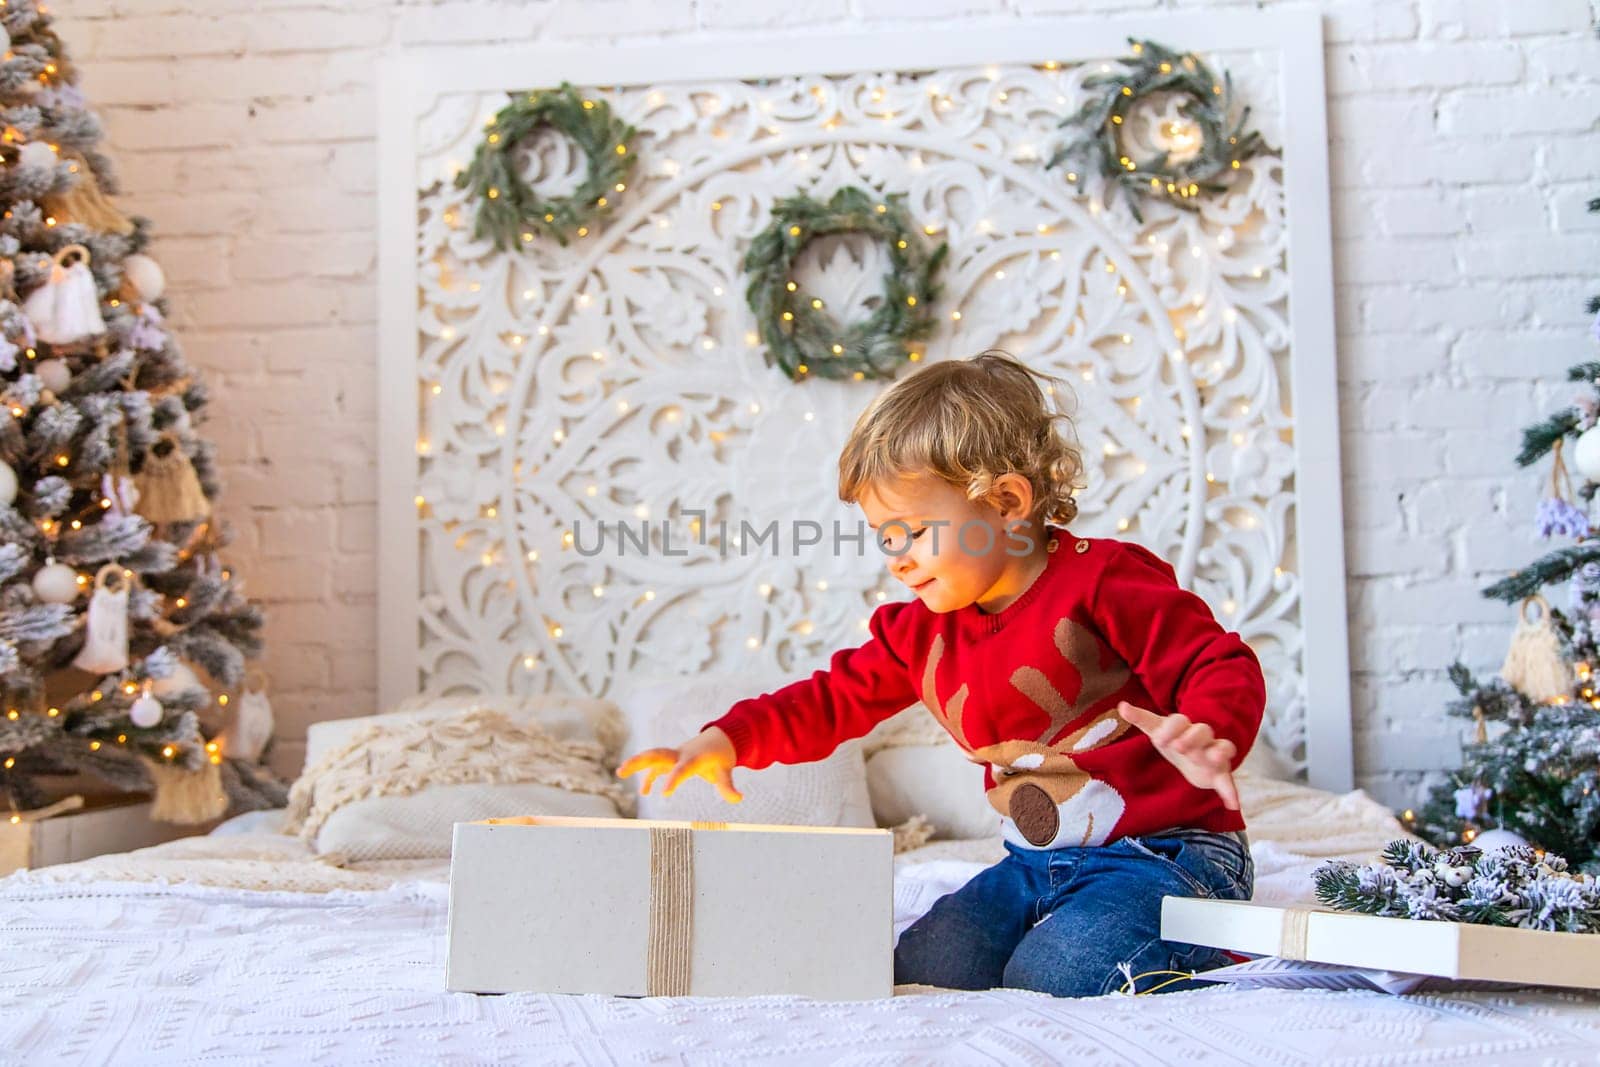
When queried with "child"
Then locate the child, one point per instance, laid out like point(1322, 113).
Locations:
point(1106, 704)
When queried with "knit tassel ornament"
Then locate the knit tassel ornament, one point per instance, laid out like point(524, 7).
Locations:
point(169, 489)
point(105, 646)
point(246, 738)
point(1533, 662)
point(66, 308)
point(86, 203)
point(186, 797)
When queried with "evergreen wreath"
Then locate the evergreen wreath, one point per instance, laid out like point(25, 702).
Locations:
point(804, 339)
point(509, 211)
point(1154, 70)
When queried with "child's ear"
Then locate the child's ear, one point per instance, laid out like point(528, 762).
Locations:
point(1012, 494)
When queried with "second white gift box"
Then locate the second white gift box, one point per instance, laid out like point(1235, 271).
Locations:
point(1407, 946)
point(635, 907)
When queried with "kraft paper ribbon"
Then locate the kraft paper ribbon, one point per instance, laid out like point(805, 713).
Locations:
point(671, 911)
point(1292, 937)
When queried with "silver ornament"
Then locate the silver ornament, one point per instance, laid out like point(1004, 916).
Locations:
point(148, 279)
point(1586, 454)
point(1490, 840)
point(54, 374)
point(36, 154)
point(56, 583)
point(146, 712)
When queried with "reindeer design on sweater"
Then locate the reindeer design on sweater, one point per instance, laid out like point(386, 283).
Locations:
point(1050, 799)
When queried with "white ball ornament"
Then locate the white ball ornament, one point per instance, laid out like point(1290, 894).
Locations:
point(146, 712)
point(1586, 454)
point(36, 154)
point(53, 373)
point(148, 280)
point(8, 484)
point(1490, 840)
point(56, 583)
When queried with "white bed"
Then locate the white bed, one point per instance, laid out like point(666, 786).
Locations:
point(266, 954)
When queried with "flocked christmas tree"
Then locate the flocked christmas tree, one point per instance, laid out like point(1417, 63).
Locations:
point(1533, 768)
point(123, 637)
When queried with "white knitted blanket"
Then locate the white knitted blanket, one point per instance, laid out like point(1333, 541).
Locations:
point(142, 974)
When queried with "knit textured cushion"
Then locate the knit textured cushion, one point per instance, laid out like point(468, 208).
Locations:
point(396, 785)
point(667, 712)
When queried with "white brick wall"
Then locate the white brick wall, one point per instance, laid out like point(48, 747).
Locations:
point(1464, 149)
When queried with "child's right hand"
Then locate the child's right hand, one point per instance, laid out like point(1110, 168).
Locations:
point(709, 755)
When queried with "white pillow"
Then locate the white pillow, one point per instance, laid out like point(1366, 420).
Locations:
point(666, 712)
point(420, 826)
point(935, 781)
point(393, 786)
point(1263, 762)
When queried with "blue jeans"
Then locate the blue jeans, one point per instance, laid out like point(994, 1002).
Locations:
point(1059, 921)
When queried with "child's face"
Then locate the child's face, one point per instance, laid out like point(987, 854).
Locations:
point(950, 551)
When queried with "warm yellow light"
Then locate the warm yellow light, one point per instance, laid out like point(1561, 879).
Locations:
point(223, 700)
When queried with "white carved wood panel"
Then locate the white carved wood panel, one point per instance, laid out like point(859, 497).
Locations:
point(619, 380)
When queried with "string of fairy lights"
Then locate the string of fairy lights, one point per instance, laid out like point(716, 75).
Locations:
point(1179, 134)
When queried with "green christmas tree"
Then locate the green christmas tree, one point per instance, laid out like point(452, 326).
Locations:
point(123, 637)
point(1533, 768)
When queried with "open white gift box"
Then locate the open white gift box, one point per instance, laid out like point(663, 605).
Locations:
point(1408, 946)
point(635, 907)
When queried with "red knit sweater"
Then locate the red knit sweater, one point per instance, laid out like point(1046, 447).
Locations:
point(1031, 692)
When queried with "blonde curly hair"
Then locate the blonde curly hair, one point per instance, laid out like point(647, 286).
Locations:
point(968, 422)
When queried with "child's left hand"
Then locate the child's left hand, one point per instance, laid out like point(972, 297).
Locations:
point(1205, 759)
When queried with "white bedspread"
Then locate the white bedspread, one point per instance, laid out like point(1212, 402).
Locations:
point(133, 973)
point(269, 954)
